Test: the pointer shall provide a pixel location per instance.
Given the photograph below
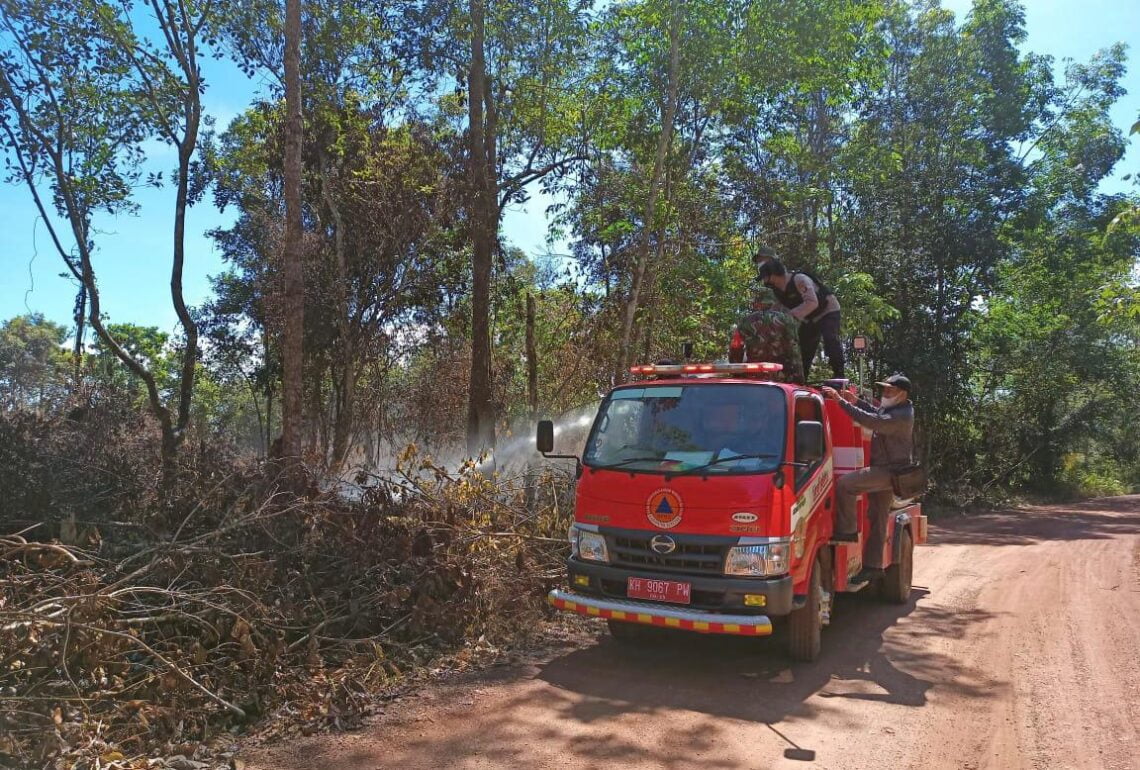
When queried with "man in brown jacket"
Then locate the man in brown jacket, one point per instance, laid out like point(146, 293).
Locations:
point(892, 447)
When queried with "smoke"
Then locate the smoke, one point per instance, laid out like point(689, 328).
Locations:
point(518, 451)
point(513, 457)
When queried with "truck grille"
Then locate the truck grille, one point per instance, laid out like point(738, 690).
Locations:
point(635, 552)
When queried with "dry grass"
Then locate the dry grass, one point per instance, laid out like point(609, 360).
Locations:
point(245, 601)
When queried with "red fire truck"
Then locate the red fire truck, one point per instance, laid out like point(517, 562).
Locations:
point(706, 502)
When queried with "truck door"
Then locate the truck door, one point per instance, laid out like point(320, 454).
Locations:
point(808, 407)
point(813, 493)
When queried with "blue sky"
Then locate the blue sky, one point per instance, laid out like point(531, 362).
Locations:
point(133, 257)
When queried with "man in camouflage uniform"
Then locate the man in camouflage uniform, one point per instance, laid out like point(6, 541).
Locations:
point(769, 334)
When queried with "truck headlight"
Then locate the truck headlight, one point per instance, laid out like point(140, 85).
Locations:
point(591, 546)
point(757, 560)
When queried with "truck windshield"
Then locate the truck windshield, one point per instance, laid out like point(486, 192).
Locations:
point(674, 428)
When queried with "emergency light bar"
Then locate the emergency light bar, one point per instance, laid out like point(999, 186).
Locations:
point(758, 367)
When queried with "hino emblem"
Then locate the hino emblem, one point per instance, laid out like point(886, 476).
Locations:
point(663, 544)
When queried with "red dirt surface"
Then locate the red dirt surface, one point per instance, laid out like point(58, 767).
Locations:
point(1019, 648)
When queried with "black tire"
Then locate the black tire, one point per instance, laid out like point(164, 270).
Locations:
point(626, 633)
point(896, 582)
point(805, 625)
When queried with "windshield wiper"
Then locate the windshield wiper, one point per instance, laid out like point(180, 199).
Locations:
point(620, 463)
point(720, 460)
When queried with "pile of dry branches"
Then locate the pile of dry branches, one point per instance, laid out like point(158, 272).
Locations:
point(303, 608)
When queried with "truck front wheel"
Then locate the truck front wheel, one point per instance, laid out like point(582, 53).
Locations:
point(806, 623)
point(896, 581)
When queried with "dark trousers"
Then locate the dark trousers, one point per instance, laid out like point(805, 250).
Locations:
point(826, 328)
point(875, 482)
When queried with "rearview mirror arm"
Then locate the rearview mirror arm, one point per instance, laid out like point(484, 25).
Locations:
point(577, 462)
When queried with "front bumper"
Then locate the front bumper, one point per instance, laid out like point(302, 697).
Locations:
point(710, 593)
point(652, 614)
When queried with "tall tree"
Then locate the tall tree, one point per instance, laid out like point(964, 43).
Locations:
point(516, 73)
point(663, 79)
point(80, 90)
point(32, 361)
point(356, 65)
point(173, 70)
point(926, 183)
point(484, 229)
point(1052, 354)
point(292, 307)
point(664, 141)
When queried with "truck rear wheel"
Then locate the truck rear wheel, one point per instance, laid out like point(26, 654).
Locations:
point(806, 624)
point(896, 581)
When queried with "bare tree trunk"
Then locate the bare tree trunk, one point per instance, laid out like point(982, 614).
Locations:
point(318, 417)
point(345, 378)
point(647, 333)
point(269, 420)
point(80, 331)
point(531, 359)
point(255, 399)
point(531, 391)
point(649, 288)
point(180, 28)
point(664, 141)
point(605, 269)
point(293, 307)
point(480, 409)
point(650, 294)
point(95, 317)
point(346, 411)
point(186, 149)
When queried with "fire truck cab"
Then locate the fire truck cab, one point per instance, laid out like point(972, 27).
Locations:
point(706, 501)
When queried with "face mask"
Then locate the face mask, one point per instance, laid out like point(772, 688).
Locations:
point(895, 400)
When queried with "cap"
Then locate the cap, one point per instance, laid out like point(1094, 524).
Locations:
point(763, 251)
point(771, 267)
point(897, 381)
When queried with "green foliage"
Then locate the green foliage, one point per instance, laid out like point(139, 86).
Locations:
point(865, 311)
point(1092, 478)
point(83, 88)
point(147, 345)
point(936, 174)
point(32, 362)
point(67, 89)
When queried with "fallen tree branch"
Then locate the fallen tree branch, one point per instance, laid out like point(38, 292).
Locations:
point(51, 547)
point(170, 665)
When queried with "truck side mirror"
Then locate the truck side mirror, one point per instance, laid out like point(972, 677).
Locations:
point(809, 441)
point(545, 438)
point(544, 442)
point(687, 350)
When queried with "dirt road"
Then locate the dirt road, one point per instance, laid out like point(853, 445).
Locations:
point(1020, 647)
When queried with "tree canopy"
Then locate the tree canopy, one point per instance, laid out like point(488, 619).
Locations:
point(942, 178)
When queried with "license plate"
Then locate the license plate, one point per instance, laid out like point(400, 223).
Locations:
point(658, 590)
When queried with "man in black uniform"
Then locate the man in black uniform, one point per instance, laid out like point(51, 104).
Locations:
point(763, 253)
point(816, 308)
